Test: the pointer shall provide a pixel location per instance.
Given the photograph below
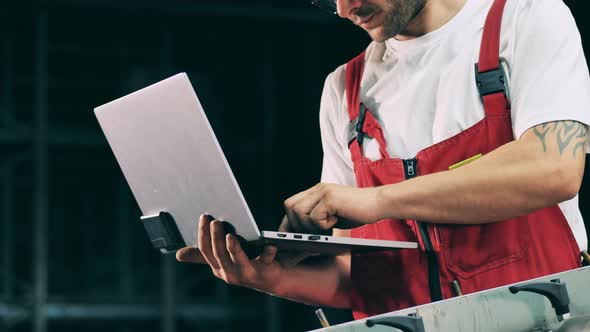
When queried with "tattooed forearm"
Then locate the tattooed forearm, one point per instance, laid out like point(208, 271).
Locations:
point(564, 134)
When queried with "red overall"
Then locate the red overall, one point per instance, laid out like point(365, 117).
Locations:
point(477, 256)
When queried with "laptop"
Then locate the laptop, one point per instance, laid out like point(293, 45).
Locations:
point(177, 171)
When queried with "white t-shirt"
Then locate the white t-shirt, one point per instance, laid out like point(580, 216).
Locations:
point(423, 90)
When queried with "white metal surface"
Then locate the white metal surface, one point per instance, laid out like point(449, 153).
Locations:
point(493, 310)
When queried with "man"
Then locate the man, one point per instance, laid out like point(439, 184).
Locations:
point(483, 175)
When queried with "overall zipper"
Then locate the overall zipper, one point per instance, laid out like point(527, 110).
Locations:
point(411, 171)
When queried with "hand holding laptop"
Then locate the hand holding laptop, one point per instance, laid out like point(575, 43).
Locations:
point(194, 255)
point(322, 283)
point(228, 260)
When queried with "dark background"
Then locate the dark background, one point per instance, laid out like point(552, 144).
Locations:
point(73, 253)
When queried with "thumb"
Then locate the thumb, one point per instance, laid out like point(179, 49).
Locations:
point(284, 227)
point(190, 255)
point(268, 254)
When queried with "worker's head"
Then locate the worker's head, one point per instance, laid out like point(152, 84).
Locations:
point(382, 19)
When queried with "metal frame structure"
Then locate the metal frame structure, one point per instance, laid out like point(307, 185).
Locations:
point(41, 175)
point(209, 8)
point(40, 137)
point(6, 190)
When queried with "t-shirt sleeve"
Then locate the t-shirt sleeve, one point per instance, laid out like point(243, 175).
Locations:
point(336, 166)
point(549, 74)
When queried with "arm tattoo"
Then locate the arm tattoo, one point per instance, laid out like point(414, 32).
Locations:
point(581, 145)
point(565, 133)
point(541, 132)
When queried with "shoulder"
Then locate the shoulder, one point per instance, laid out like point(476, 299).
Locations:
point(544, 16)
point(333, 99)
point(555, 7)
point(336, 80)
point(534, 34)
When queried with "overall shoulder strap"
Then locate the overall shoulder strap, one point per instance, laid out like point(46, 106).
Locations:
point(489, 74)
point(362, 122)
point(354, 74)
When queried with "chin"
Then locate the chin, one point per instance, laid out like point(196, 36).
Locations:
point(377, 34)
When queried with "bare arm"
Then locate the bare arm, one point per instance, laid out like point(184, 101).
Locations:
point(325, 282)
point(542, 168)
point(322, 285)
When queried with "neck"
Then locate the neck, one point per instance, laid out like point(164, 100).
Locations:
point(435, 14)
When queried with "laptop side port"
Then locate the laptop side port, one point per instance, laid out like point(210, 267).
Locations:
point(314, 237)
point(281, 235)
point(297, 236)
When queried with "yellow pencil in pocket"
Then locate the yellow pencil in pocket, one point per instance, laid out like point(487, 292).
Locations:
point(465, 162)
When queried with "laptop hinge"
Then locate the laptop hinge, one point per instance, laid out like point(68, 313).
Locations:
point(163, 232)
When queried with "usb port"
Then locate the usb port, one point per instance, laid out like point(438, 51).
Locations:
point(297, 236)
point(281, 235)
point(314, 237)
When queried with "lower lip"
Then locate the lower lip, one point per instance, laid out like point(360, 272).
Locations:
point(364, 24)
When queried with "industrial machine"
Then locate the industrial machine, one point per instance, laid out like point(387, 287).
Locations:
point(559, 302)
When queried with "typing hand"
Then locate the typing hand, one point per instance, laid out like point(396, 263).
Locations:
point(325, 206)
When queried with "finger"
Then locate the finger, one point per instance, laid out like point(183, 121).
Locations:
point(302, 223)
point(219, 246)
point(292, 225)
point(333, 221)
point(190, 255)
point(297, 197)
point(306, 204)
point(244, 268)
point(304, 207)
point(204, 240)
point(268, 254)
point(236, 253)
point(285, 226)
point(293, 221)
point(293, 211)
point(323, 217)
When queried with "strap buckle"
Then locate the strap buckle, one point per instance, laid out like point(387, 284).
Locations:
point(359, 125)
point(491, 81)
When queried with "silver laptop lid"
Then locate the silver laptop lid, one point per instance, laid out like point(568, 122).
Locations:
point(171, 158)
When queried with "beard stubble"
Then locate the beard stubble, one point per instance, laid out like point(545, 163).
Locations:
point(399, 14)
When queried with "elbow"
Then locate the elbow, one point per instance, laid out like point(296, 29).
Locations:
point(568, 181)
point(573, 188)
